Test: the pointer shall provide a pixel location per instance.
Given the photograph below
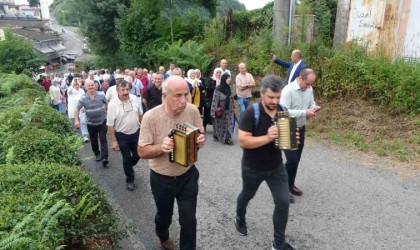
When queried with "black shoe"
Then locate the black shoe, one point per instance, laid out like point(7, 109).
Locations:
point(240, 225)
point(98, 157)
point(229, 142)
point(215, 138)
point(131, 186)
point(105, 162)
point(291, 198)
point(286, 246)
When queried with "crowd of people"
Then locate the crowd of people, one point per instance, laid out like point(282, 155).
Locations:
point(137, 108)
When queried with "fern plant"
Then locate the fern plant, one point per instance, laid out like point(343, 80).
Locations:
point(41, 229)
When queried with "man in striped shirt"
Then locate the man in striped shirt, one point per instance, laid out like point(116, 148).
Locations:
point(95, 105)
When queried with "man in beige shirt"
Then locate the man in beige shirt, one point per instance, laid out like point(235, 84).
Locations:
point(170, 181)
point(123, 121)
point(244, 84)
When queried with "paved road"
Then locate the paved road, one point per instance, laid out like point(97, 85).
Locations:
point(350, 201)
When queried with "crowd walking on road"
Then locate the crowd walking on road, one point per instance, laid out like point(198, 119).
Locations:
point(140, 110)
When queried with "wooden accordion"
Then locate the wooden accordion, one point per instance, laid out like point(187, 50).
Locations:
point(287, 131)
point(185, 144)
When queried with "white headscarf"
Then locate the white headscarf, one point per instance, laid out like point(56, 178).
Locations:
point(214, 76)
point(193, 81)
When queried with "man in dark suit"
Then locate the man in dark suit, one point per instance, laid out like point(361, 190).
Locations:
point(295, 66)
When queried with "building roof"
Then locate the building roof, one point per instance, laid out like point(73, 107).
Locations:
point(23, 23)
point(35, 36)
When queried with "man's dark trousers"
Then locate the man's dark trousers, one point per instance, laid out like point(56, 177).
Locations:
point(293, 158)
point(276, 180)
point(94, 131)
point(128, 148)
point(184, 189)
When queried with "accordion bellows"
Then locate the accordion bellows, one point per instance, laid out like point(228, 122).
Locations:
point(287, 131)
point(185, 144)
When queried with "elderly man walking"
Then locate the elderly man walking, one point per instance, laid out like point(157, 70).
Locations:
point(95, 108)
point(123, 120)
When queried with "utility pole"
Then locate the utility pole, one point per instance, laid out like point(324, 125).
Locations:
point(341, 22)
point(281, 21)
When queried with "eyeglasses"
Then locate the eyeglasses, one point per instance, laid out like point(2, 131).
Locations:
point(127, 107)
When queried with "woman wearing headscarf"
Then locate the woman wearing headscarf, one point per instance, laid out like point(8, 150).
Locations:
point(223, 125)
point(211, 85)
point(197, 87)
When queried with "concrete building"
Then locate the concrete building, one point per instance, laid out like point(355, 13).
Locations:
point(22, 21)
point(385, 26)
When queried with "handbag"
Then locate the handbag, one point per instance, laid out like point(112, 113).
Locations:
point(219, 111)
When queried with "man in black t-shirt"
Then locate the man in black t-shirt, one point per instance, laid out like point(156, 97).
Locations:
point(262, 160)
point(153, 95)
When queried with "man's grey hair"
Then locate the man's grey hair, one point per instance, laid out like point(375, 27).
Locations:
point(106, 78)
point(165, 84)
point(272, 82)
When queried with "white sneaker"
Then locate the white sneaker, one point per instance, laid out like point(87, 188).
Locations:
point(86, 139)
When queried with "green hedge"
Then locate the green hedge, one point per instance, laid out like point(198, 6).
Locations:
point(41, 146)
point(23, 186)
point(47, 201)
point(353, 72)
point(34, 116)
point(11, 83)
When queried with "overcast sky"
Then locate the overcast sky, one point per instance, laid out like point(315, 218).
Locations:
point(254, 4)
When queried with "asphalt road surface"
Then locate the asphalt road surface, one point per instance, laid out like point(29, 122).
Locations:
point(350, 201)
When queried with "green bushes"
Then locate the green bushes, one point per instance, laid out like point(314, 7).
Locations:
point(87, 210)
point(41, 146)
point(47, 201)
point(352, 71)
point(11, 83)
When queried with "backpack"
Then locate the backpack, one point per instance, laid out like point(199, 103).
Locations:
point(256, 107)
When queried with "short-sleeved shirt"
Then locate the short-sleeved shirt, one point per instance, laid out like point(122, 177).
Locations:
point(268, 156)
point(153, 96)
point(95, 111)
point(124, 117)
point(244, 80)
point(156, 125)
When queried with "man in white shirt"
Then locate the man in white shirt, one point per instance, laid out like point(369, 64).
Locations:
point(123, 121)
point(298, 97)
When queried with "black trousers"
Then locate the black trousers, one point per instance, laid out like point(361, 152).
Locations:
point(293, 158)
point(184, 189)
point(96, 131)
point(277, 182)
point(128, 148)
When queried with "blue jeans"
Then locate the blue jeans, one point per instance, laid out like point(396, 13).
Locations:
point(293, 158)
point(276, 180)
point(128, 148)
point(243, 104)
point(184, 189)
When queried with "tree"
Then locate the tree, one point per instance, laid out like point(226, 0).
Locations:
point(18, 55)
point(97, 21)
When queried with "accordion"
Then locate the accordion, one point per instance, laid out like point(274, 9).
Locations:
point(286, 126)
point(185, 144)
